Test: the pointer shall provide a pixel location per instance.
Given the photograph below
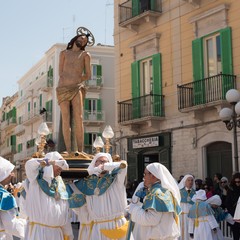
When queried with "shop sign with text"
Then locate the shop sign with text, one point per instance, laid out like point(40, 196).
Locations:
point(145, 142)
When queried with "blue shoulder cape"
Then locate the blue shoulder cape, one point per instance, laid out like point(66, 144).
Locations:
point(161, 200)
point(7, 201)
point(186, 197)
point(93, 185)
point(56, 190)
point(141, 193)
point(200, 209)
point(220, 214)
point(75, 200)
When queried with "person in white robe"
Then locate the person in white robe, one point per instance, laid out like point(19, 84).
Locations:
point(102, 217)
point(21, 196)
point(158, 217)
point(219, 214)
point(237, 212)
point(138, 197)
point(47, 199)
point(78, 206)
point(202, 223)
point(187, 190)
point(9, 223)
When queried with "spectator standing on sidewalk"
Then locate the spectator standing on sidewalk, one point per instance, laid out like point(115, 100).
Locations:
point(231, 203)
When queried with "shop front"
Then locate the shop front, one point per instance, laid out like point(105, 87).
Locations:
point(144, 150)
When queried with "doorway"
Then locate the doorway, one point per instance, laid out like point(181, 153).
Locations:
point(219, 159)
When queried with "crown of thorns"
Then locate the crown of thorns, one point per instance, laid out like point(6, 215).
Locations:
point(86, 32)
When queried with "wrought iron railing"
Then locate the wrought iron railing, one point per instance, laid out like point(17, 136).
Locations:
point(49, 81)
point(94, 116)
point(47, 117)
point(94, 82)
point(128, 11)
point(205, 91)
point(146, 106)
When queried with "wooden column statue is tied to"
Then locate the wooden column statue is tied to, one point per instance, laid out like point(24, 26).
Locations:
point(74, 69)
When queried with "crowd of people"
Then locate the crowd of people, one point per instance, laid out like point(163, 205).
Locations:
point(160, 207)
point(205, 203)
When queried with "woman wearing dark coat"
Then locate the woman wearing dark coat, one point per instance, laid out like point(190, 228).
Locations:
point(231, 203)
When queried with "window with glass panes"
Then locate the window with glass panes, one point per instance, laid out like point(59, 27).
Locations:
point(213, 55)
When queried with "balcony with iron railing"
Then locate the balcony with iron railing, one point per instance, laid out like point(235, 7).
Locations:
point(132, 14)
point(94, 117)
point(94, 83)
point(204, 93)
point(19, 130)
point(6, 151)
point(31, 150)
point(9, 123)
point(31, 116)
point(140, 110)
point(47, 83)
point(47, 117)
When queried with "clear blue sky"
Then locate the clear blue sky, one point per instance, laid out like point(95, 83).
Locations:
point(29, 28)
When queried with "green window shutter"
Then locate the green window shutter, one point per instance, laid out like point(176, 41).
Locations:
point(50, 77)
point(135, 89)
point(227, 62)
point(99, 75)
point(40, 100)
point(51, 72)
point(47, 105)
point(86, 104)
point(153, 4)
point(50, 104)
point(99, 104)
point(13, 140)
point(157, 85)
point(99, 70)
point(19, 147)
point(135, 8)
point(10, 114)
point(157, 74)
point(86, 138)
point(14, 112)
point(99, 109)
point(226, 50)
point(198, 71)
point(197, 59)
point(29, 106)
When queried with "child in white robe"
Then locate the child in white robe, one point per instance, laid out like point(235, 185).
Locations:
point(219, 214)
point(202, 223)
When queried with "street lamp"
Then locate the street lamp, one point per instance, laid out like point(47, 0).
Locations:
point(107, 134)
point(230, 117)
point(98, 144)
point(40, 141)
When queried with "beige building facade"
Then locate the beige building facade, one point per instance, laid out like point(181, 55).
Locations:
point(175, 61)
point(36, 102)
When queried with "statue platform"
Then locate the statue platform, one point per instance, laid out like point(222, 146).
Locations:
point(78, 163)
